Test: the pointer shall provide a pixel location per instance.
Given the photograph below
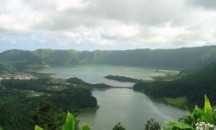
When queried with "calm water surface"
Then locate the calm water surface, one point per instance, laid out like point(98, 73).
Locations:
point(130, 108)
point(96, 73)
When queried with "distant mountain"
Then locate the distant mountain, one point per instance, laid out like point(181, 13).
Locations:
point(162, 58)
point(20, 59)
point(193, 85)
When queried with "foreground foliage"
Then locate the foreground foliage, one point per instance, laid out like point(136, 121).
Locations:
point(199, 119)
point(69, 125)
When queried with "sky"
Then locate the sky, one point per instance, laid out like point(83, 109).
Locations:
point(106, 24)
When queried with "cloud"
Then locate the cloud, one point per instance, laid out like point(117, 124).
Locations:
point(207, 4)
point(144, 11)
point(64, 14)
point(67, 4)
point(108, 24)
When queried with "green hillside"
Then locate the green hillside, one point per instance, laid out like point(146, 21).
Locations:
point(21, 60)
point(161, 58)
point(192, 85)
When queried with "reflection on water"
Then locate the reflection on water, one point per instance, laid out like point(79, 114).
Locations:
point(131, 108)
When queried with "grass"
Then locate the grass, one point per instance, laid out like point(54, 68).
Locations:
point(173, 72)
point(180, 101)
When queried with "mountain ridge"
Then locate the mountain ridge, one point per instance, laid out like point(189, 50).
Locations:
point(181, 58)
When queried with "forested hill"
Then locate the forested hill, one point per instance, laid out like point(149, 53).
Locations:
point(192, 85)
point(162, 58)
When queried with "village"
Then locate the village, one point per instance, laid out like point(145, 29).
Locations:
point(18, 76)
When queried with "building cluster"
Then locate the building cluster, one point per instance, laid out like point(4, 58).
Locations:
point(19, 76)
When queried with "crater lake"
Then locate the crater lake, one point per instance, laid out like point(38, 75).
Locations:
point(123, 105)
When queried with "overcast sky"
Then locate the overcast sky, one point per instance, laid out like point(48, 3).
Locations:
point(106, 24)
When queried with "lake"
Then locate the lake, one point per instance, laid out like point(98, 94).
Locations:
point(123, 105)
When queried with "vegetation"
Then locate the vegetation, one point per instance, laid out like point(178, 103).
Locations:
point(22, 60)
point(152, 125)
point(44, 100)
point(182, 58)
point(169, 72)
point(80, 82)
point(44, 116)
point(176, 101)
point(191, 84)
point(199, 119)
point(6, 67)
point(118, 126)
point(41, 101)
point(122, 78)
point(69, 125)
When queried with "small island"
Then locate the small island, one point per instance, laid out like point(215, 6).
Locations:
point(122, 78)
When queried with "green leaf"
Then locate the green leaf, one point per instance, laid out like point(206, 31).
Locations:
point(207, 115)
point(197, 114)
point(37, 127)
point(179, 125)
point(70, 122)
point(85, 127)
point(1, 128)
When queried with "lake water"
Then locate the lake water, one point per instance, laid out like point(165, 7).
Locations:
point(123, 105)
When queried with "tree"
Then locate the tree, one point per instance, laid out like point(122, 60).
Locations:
point(118, 126)
point(152, 125)
point(44, 116)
